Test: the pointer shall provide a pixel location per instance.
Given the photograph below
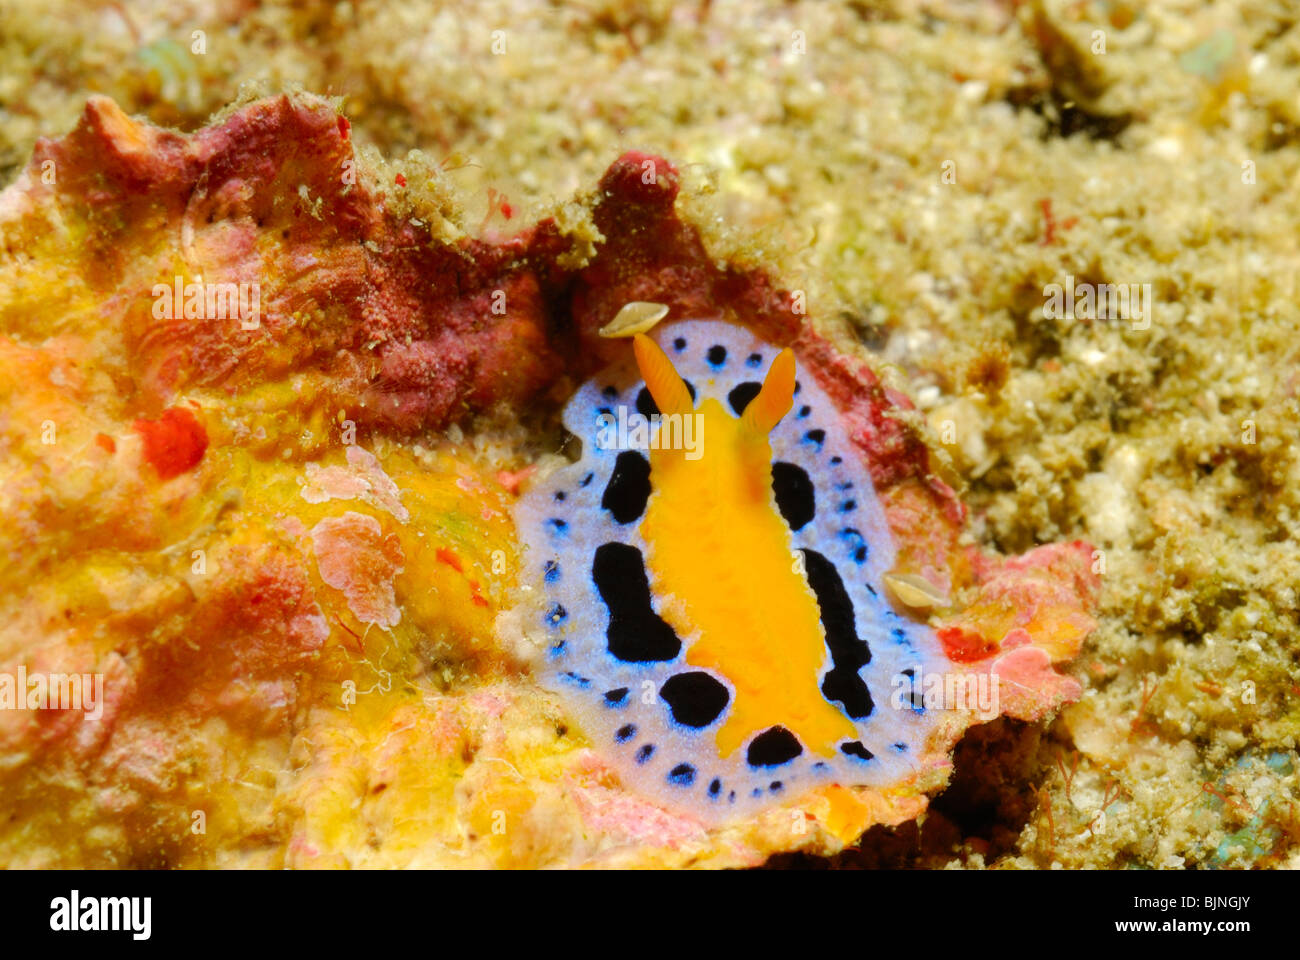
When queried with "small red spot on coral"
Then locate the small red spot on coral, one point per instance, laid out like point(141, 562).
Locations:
point(107, 442)
point(174, 443)
point(964, 646)
point(1227, 797)
point(345, 128)
point(450, 559)
point(1140, 724)
point(400, 180)
point(507, 211)
point(453, 561)
point(1050, 224)
point(642, 179)
point(511, 480)
point(360, 647)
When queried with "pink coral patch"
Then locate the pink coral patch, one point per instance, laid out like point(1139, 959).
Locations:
point(355, 557)
point(362, 479)
point(1028, 687)
point(630, 818)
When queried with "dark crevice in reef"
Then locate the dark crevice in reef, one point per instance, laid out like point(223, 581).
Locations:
point(1075, 79)
point(1063, 117)
point(988, 802)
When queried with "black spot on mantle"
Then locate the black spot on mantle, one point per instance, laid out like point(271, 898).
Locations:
point(848, 652)
point(742, 394)
point(854, 748)
point(636, 634)
point(795, 497)
point(628, 489)
point(695, 698)
point(773, 747)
